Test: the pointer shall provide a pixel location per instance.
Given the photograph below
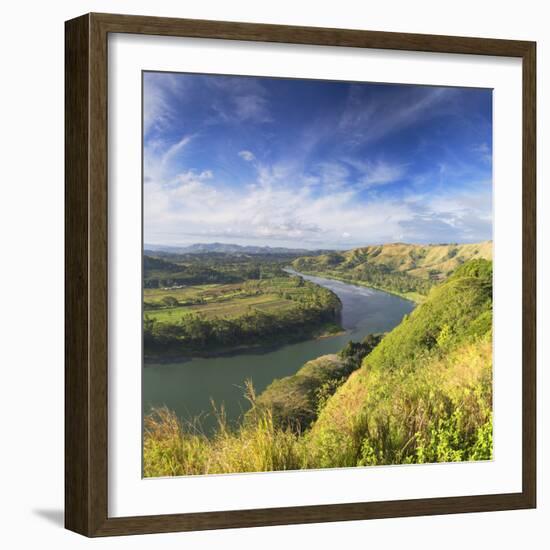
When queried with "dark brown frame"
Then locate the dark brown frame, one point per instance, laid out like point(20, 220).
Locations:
point(86, 274)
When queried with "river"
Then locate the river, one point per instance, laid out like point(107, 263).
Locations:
point(187, 387)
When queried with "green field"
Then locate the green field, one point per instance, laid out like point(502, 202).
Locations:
point(228, 307)
point(224, 301)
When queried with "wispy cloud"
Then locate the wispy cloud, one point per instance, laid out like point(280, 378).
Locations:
point(247, 155)
point(366, 120)
point(161, 158)
point(175, 149)
point(332, 175)
point(161, 93)
point(239, 100)
point(445, 217)
point(372, 173)
point(382, 173)
point(280, 214)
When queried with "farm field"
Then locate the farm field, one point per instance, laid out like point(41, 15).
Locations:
point(226, 301)
point(204, 318)
point(228, 306)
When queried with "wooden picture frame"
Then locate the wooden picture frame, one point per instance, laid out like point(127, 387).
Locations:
point(86, 282)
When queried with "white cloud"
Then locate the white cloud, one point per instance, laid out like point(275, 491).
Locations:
point(247, 155)
point(175, 149)
point(332, 175)
point(158, 94)
point(382, 173)
point(159, 157)
point(277, 173)
point(252, 107)
point(191, 175)
point(375, 173)
point(156, 109)
point(459, 216)
point(192, 208)
point(277, 209)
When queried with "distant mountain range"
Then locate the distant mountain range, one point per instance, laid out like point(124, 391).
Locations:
point(227, 248)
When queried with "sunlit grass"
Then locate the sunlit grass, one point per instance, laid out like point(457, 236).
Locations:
point(170, 449)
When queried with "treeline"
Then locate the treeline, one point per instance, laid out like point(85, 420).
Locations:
point(210, 268)
point(378, 276)
point(382, 276)
point(194, 333)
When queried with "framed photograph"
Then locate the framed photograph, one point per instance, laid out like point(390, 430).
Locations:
point(300, 274)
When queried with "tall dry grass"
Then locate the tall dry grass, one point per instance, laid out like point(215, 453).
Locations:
point(170, 449)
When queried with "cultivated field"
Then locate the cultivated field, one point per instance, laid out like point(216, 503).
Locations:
point(225, 301)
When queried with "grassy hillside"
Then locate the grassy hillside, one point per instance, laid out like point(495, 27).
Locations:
point(296, 400)
point(423, 394)
point(406, 269)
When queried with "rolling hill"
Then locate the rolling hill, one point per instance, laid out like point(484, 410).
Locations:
point(425, 392)
point(409, 270)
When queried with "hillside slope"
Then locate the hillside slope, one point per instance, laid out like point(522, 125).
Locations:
point(422, 261)
point(425, 392)
point(295, 401)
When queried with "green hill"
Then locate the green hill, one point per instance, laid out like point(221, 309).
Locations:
point(406, 269)
point(425, 392)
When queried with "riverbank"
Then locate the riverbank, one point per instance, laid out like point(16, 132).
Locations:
point(174, 356)
point(413, 297)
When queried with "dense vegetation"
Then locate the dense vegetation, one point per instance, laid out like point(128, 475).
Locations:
point(295, 401)
point(405, 269)
point(168, 270)
point(425, 391)
point(262, 305)
point(423, 394)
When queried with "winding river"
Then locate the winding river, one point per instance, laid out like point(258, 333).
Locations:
point(187, 387)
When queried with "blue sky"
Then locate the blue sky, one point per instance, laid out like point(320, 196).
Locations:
point(314, 164)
